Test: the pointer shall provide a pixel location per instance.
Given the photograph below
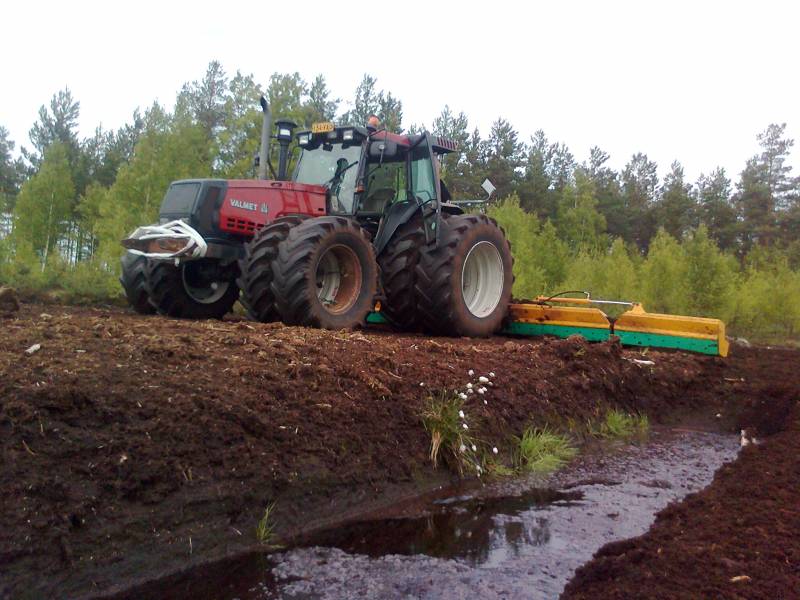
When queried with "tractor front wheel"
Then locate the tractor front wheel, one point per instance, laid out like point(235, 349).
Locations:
point(255, 269)
point(464, 283)
point(325, 274)
point(133, 282)
point(398, 263)
point(195, 289)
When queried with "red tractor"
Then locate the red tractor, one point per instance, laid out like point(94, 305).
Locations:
point(364, 221)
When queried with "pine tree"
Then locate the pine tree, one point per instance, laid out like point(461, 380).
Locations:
point(675, 210)
point(639, 181)
point(713, 193)
point(320, 106)
point(504, 154)
point(204, 100)
point(11, 173)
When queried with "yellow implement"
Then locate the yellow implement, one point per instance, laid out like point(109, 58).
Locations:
point(634, 327)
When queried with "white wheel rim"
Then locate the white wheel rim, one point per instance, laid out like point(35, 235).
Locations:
point(205, 294)
point(482, 279)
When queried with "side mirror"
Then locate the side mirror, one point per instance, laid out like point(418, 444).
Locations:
point(383, 149)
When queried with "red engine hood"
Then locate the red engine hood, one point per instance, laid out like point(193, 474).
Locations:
point(249, 204)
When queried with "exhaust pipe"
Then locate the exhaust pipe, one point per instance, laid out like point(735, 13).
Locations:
point(285, 131)
point(266, 133)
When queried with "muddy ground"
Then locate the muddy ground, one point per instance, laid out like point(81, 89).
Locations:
point(137, 446)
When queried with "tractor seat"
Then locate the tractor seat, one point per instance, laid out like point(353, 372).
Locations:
point(377, 201)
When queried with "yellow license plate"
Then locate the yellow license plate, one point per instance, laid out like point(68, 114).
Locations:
point(321, 127)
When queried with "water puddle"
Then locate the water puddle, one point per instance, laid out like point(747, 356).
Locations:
point(511, 539)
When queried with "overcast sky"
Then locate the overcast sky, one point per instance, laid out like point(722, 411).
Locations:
point(693, 81)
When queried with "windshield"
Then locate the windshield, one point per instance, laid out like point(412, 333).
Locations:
point(319, 167)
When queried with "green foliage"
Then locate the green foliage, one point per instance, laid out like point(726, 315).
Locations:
point(609, 275)
point(710, 277)
point(543, 451)
point(43, 205)
point(663, 275)
point(621, 425)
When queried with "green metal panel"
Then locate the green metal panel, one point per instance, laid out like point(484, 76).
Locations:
point(376, 318)
point(592, 334)
point(637, 338)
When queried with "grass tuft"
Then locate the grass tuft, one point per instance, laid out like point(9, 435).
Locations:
point(265, 530)
point(450, 441)
point(622, 425)
point(543, 451)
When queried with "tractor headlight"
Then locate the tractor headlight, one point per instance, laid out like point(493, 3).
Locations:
point(347, 135)
point(303, 139)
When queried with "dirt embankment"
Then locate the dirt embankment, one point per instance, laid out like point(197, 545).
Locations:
point(738, 538)
point(135, 446)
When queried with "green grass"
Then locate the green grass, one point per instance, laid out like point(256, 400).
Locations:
point(543, 451)
point(451, 443)
point(265, 530)
point(621, 425)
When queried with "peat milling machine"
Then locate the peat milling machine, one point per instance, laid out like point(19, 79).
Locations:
point(363, 231)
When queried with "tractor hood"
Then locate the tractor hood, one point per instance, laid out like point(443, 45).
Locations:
point(234, 208)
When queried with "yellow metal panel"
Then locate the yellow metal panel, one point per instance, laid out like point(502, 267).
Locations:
point(559, 315)
point(637, 320)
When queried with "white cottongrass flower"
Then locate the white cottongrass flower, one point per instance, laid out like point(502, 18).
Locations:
point(421, 384)
point(463, 396)
point(461, 414)
point(474, 448)
point(462, 448)
point(470, 391)
point(486, 403)
point(483, 379)
point(490, 383)
point(481, 390)
point(491, 374)
point(470, 372)
point(494, 450)
point(464, 425)
point(469, 386)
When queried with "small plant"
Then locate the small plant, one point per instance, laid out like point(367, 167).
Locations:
point(622, 425)
point(543, 451)
point(265, 530)
point(450, 434)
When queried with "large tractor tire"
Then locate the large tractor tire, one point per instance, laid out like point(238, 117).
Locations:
point(464, 282)
point(325, 274)
point(133, 282)
point(196, 289)
point(255, 269)
point(398, 263)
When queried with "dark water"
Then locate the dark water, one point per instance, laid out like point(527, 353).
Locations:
point(521, 538)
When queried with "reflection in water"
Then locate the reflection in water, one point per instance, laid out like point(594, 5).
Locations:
point(466, 529)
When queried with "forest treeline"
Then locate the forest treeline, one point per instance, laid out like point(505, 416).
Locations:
point(720, 246)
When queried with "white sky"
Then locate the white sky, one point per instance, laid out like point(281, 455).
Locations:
point(694, 81)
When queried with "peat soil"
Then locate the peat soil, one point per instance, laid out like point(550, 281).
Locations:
point(134, 447)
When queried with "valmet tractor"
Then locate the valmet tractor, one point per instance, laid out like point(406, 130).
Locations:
point(364, 222)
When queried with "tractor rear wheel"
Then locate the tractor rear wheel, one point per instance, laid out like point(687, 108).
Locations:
point(195, 289)
point(325, 274)
point(133, 282)
point(255, 269)
point(464, 283)
point(398, 263)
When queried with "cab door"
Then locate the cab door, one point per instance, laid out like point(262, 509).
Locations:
point(424, 186)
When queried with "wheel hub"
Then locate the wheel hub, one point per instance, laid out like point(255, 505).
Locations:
point(338, 278)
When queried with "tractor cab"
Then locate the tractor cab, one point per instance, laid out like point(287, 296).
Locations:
point(379, 177)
